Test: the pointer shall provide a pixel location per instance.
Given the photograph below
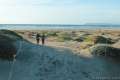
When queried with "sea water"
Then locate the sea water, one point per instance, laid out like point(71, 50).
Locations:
point(55, 26)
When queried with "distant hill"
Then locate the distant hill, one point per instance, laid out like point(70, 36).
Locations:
point(102, 24)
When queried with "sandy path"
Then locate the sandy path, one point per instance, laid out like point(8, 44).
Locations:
point(37, 62)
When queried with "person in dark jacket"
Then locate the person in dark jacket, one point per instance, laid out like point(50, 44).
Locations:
point(43, 39)
point(37, 38)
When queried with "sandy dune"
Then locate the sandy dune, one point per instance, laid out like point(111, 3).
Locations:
point(36, 62)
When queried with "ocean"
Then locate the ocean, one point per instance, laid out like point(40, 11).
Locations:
point(55, 26)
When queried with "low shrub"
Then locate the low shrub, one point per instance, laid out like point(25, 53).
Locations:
point(52, 33)
point(97, 39)
point(7, 47)
point(105, 50)
point(101, 39)
point(81, 38)
point(64, 37)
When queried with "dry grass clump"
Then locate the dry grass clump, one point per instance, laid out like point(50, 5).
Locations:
point(82, 37)
point(10, 34)
point(64, 36)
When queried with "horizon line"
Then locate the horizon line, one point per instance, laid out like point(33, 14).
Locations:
point(86, 24)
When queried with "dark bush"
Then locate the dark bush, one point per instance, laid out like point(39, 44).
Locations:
point(79, 39)
point(7, 47)
point(101, 39)
point(105, 50)
point(98, 39)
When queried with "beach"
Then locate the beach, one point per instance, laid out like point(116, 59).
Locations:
point(59, 39)
point(53, 37)
point(66, 55)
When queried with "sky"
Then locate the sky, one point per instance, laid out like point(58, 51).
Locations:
point(59, 11)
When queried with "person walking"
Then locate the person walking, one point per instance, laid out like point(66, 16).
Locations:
point(43, 39)
point(37, 38)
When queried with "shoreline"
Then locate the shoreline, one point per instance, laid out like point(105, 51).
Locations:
point(17, 27)
point(67, 29)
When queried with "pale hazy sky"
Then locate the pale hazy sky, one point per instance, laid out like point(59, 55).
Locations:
point(59, 11)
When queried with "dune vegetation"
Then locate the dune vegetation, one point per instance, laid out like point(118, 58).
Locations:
point(7, 43)
point(106, 50)
point(83, 40)
point(57, 59)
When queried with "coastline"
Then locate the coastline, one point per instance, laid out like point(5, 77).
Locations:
point(57, 27)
